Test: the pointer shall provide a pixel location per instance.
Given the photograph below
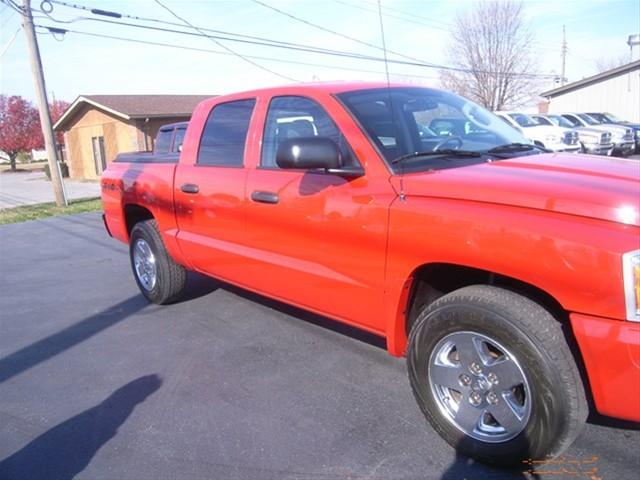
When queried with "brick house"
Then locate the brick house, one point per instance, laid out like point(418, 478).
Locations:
point(98, 127)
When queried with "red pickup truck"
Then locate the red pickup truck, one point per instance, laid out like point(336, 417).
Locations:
point(508, 276)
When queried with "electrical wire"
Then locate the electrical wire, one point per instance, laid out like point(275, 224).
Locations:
point(389, 15)
point(221, 34)
point(308, 49)
point(218, 52)
point(222, 45)
point(333, 32)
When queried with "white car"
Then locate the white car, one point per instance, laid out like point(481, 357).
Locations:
point(593, 140)
point(622, 137)
point(552, 138)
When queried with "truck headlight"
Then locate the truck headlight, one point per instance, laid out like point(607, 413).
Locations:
point(551, 138)
point(631, 278)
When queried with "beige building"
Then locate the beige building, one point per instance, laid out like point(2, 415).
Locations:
point(615, 91)
point(98, 127)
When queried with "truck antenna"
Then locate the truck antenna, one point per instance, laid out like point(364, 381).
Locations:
point(386, 70)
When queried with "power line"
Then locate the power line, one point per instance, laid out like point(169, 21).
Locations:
point(328, 30)
point(146, 19)
point(414, 15)
point(218, 52)
point(223, 35)
point(389, 15)
point(222, 45)
point(308, 49)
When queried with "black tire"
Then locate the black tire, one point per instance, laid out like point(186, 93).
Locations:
point(558, 407)
point(170, 277)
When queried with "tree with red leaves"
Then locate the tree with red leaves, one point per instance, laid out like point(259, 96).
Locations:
point(56, 110)
point(19, 127)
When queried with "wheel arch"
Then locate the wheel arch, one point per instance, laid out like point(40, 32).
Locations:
point(428, 282)
point(134, 213)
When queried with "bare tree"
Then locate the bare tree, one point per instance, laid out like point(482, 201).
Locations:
point(609, 63)
point(491, 56)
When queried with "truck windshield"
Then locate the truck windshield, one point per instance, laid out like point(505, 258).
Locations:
point(405, 120)
point(587, 119)
point(560, 121)
point(523, 120)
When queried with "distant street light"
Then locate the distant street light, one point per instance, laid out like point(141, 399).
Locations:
point(632, 41)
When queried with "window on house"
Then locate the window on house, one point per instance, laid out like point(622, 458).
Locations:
point(99, 157)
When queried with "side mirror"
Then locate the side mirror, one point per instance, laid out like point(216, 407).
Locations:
point(309, 153)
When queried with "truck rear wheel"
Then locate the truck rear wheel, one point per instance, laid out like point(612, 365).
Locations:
point(159, 278)
point(493, 374)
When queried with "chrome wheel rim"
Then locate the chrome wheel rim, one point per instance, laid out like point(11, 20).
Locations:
point(479, 387)
point(144, 262)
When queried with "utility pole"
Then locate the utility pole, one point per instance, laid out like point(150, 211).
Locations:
point(563, 78)
point(43, 105)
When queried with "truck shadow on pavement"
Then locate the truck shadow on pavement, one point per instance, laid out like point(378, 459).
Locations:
point(65, 450)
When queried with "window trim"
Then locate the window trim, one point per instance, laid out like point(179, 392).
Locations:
point(244, 150)
point(173, 139)
point(365, 134)
point(259, 165)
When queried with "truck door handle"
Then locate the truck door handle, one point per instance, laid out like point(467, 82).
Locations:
point(265, 197)
point(190, 188)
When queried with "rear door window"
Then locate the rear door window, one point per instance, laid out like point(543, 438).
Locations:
point(225, 134)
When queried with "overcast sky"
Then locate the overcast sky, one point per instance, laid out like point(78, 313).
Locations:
point(79, 64)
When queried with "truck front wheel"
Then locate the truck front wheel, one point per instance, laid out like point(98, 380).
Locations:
point(493, 374)
point(159, 278)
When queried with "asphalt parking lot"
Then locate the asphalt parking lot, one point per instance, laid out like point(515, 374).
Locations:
point(97, 384)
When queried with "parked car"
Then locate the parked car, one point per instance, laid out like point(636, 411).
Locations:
point(166, 147)
point(610, 119)
point(622, 137)
point(551, 137)
point(499, 270)
point(593, 140)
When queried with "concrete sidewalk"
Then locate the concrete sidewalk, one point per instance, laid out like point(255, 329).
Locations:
point(28, 188)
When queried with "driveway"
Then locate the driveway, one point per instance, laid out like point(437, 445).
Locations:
point(28, 188)
point(95, 383)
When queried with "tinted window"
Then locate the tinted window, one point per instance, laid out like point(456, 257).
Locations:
point(297, 117)
point(163, 140)
point(178, 139)
point(225, 134)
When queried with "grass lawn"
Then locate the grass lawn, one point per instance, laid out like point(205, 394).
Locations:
point(23, 167)
point(44, 210)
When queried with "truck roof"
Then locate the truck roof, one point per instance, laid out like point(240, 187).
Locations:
point(174, 125)
point(324, 87)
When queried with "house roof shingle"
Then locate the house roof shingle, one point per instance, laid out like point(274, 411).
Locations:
point(135, 106)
